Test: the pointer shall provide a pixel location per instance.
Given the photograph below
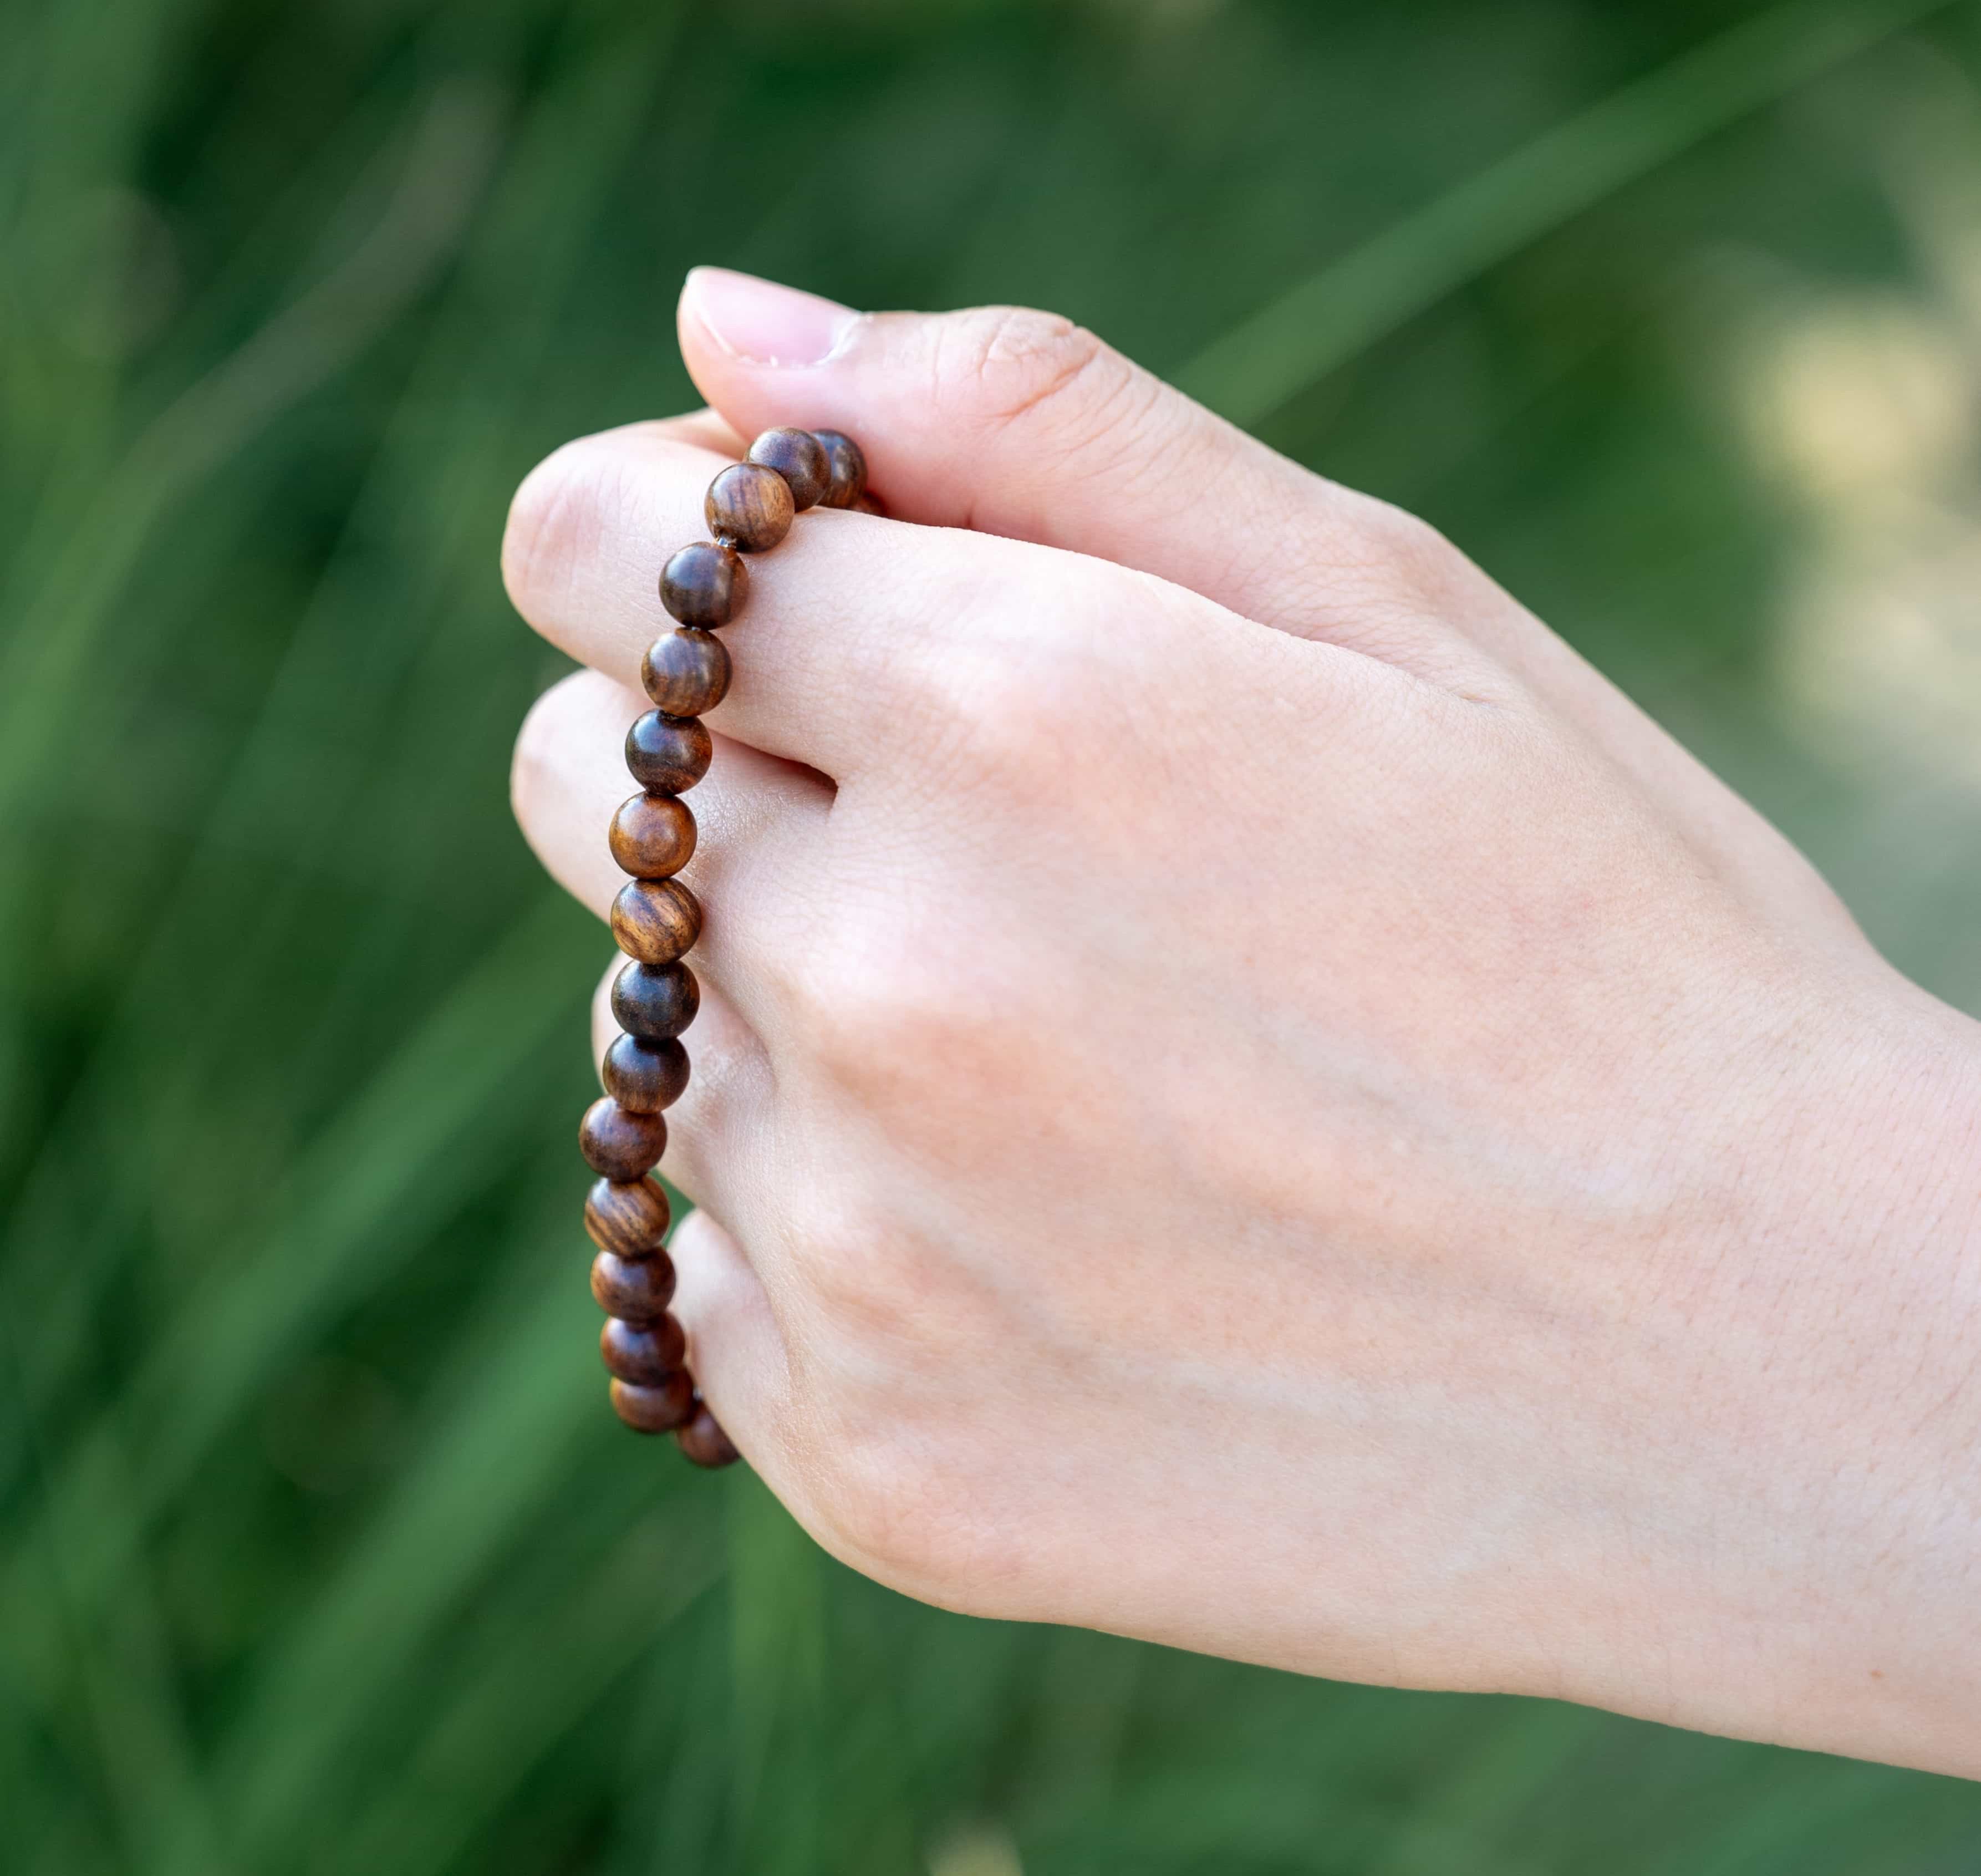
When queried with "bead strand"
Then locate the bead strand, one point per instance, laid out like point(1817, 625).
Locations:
point(656, 920)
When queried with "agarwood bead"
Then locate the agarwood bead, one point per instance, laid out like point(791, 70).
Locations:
point(668, 755)
point(686, 673)
point(705, 584)
point(648, 1353)
point(652, 836)
point(846, 467)
point(633, 1289)
point(751, 505)
point(627, 1218)
point(655, 920)
point(704, 1441)
point(656, 1000)
point(655, 1410)
point(799, 457)
point(645, 1077)
point(619, 1144)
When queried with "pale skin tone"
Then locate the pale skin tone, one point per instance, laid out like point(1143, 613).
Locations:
point(1244, 1096)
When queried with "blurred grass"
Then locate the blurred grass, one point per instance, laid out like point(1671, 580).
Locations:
point(317, 1551)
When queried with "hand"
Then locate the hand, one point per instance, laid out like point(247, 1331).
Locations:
point(1244, 1096)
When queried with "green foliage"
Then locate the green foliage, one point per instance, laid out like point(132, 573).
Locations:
point(318, 1549)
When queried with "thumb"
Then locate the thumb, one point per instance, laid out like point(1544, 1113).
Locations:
point(1022, 424)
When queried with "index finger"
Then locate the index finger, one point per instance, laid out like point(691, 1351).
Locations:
point(851, 622)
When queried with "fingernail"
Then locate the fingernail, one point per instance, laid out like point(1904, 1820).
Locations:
point(761, 321)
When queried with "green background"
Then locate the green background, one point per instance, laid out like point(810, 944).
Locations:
point(319, 1550)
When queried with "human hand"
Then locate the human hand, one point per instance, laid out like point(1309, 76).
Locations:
point(1244, 1096)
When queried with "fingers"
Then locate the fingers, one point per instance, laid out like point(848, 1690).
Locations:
point(1021, 424)
point(762, 857)
point(856, 634)
point(734, 1343)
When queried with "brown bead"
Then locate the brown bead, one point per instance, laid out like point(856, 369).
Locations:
point(704, 1441)
point(668, 755)
point(749, 505)
point(633, 1289)
point(655, 1410)
point(627, 1218)
point(656, 1000)
point(648, 1354)
point(645, 1077)
point(705, 584)
point(652, 836)
point(686, 673)
point(847, 468)
point(655, 920)
point(799, 457)
point(619, 1144)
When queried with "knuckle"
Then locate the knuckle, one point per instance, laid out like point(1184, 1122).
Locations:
point(1011, 364)
point(878, 1017)
point(1420, 556)
point(998, 703)
point(927, 1032)
point(902, 1516)
point(899, 1508)
point(1390, 551)
point(868, 1288)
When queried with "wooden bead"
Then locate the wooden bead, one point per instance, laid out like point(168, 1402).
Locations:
point(846, 467)
point(655, 1410)
point(668, 755)
point(704, 1441)
point(618, 1143)
point(686, 673)
point(648, 1353)
point(645, 1077)
point(705, 584)
point(627, 1218)
point(799, 457)
point(655, 1001)
point(652, 836)
point(751, 505)
point(655, 920)
point(633, 1289)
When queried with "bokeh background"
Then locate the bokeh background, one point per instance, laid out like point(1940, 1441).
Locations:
point(319, 1550)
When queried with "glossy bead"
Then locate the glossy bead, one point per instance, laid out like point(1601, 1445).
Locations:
point(705, 584)
point(686, 673)
point(668, 755)
point(799, 457)
point(645, 1077)
point(627, 1219)
point(847, 468)
point(704, 1441)
point(656, 1000)
point(633, 1289)
point(619, 1145)
point(655, 920)
point(652, 836)
point(655, 1410)
point(751, 505)
point(648, 1353)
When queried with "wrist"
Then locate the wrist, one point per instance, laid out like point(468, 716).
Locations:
point(1835, 1535)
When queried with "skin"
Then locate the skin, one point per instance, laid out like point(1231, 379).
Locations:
point(1244, 1095)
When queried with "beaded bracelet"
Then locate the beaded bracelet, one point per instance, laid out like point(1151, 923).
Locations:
point(656, 920)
